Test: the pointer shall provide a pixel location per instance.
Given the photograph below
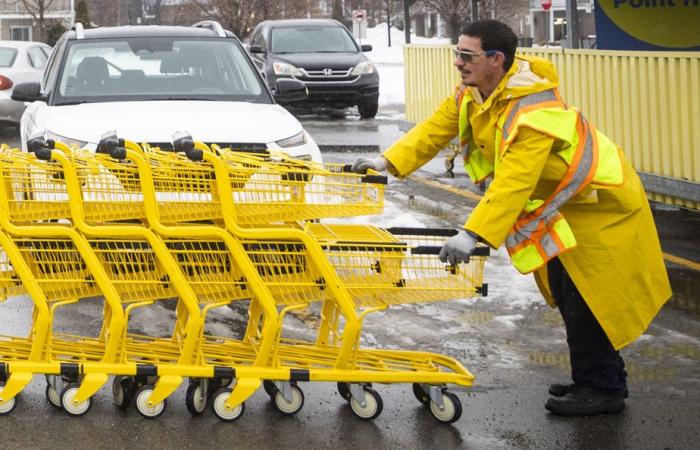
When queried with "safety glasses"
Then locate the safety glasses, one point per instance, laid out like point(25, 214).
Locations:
point(468, 57)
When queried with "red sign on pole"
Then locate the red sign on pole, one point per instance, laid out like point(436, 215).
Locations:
point(546, 4)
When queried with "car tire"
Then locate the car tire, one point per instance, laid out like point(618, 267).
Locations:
point(368, 109)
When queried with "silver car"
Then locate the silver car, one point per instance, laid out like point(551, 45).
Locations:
point(20, 62)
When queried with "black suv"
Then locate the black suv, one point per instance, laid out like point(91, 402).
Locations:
point(322, 54)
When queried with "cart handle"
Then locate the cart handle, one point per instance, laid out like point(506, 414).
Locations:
point(111, 145)
point(40, 146)
point(183, 142)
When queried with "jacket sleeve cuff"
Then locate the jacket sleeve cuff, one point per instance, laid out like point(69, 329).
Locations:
point(481, 223)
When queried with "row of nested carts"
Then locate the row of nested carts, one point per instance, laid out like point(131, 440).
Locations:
point(204, 227)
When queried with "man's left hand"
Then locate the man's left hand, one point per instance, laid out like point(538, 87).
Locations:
point(458, 248)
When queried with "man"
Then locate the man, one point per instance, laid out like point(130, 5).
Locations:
point(564, 200)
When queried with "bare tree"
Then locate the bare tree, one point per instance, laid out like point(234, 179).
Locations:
point(153, 7)
point(37, 9)
point(238, 16)
point(454, 12)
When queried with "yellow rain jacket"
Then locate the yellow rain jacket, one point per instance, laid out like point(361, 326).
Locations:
point(617, 265)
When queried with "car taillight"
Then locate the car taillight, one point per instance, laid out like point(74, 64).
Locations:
point(5, 83)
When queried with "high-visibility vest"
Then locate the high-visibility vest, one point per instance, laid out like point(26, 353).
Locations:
point(541, 231)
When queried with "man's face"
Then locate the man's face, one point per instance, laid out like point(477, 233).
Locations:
point(481, 68)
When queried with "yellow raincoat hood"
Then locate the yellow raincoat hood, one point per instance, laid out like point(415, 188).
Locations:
point(527, 75)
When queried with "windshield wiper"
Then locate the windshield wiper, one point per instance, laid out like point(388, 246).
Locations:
point(77, 102)
point(185, 98)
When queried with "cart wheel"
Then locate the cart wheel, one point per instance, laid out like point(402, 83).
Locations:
point(195, 400)
point(53, 397)
point(122, 391)
point(451, 410)
point(225, 382)
point(373, 405)
point(344, 390)
point(218, 405)
point(142, 406)
point(73, 409)
point(10, 405)
point(270, 388)
point(293, 406)
point(421, 394)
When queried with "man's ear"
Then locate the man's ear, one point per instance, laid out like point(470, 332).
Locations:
point(498, 59)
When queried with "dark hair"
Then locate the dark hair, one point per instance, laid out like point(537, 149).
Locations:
point(494, 35)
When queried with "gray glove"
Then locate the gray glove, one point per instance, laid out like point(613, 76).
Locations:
point(458, 248)
point(361, 165)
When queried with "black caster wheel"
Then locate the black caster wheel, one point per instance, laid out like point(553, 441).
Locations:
point(196, 398)
point(68, 403)
point(7, 408)
point(142, 406)
point(451, 410)
point(421, 394)
point(372, 406)
point(292, 406)
point(218, 405)
point(122, 391)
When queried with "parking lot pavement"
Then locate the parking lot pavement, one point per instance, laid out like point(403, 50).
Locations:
point(9, 135)
point(343, 130)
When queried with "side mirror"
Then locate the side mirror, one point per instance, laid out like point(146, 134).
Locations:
point(256, 49)
point(27, 92)
point(289, 90)
point(366, 48)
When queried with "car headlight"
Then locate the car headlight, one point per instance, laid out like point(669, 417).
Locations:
point(363, 68)
point(297, 139)
point(281, 68)
point(68, 141)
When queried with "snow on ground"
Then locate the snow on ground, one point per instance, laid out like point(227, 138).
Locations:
point(389, 61)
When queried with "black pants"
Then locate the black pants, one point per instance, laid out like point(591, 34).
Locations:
point(594, 361)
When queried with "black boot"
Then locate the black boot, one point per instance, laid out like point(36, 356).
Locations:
point(585, 401)
point(560, 390)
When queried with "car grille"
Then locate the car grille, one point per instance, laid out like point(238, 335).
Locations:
point(327, 75)
point(246, 147)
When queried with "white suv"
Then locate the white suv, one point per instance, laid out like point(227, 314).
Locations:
point(148, 82)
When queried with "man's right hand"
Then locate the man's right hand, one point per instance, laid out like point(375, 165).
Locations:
point(362, 165)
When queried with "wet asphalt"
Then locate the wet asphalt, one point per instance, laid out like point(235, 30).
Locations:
point(513, 343)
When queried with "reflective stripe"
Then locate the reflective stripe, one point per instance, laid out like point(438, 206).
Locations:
point(524, 102)
point(549, 246)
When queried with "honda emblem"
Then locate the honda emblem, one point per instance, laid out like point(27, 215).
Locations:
point(328, 72)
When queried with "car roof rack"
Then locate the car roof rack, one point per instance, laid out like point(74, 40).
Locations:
point(213, 25)
point(78, 28)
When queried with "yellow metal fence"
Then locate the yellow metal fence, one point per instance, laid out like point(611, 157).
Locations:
point(647, 102)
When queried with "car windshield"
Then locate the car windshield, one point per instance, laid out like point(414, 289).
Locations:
point(132, 69)
point(312, 40)
point(7, 56)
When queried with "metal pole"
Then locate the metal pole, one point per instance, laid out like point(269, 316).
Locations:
point(388, 21)
point(406, 21)
point(572, 23)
